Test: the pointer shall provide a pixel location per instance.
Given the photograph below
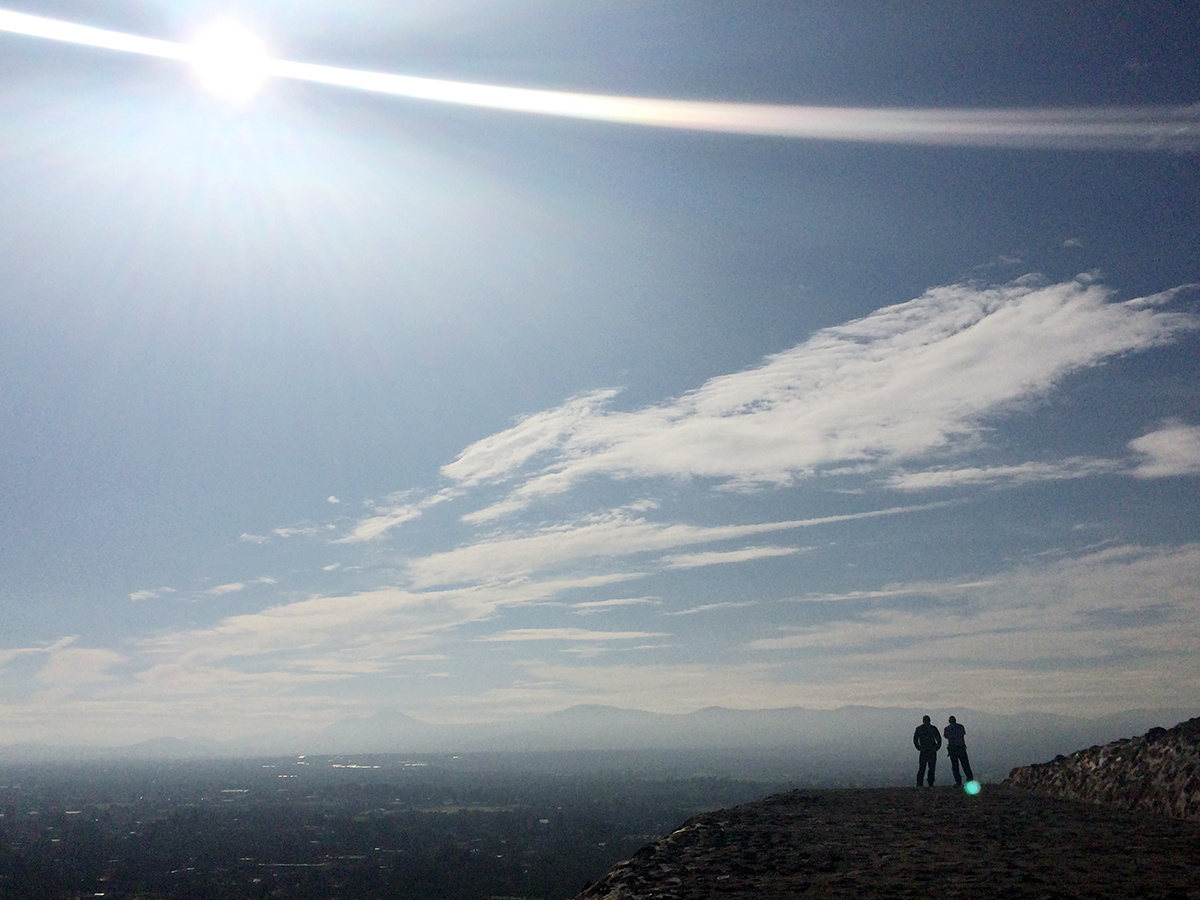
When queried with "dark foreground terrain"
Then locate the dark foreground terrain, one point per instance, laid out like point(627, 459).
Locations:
point(915, 843)
point(333, 828)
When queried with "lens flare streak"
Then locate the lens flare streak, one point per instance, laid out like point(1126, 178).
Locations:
point(1132, 128)
point(1148, 128)
point(55, 30)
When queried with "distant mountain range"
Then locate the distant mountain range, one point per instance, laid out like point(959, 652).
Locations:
point(850, 745)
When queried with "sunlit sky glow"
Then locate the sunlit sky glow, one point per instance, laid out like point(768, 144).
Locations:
point(229, 60)
point(322, 402)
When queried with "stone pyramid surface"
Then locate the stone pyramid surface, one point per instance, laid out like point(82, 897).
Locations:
point(1116, 821)
point(1157, 771)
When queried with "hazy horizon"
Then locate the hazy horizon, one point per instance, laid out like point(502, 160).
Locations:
point(320, 403)
point(850, 746)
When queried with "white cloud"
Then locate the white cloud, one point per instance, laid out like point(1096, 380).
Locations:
point(495, 457)
point(935, 590)
point(708, 607)
point(719, 557)
point(175, 679)
point(231, 588)
point(569, 634)
point(296, 531)
point(397, 511)
point(137, 596)
point(898, 396)
point(383, 622)
point(1022, 473)
point(61, 643)
point(1088, 635)
point(588, 607)
point(254, 538)
point(384, 520)
point(1174, 449)
point(615, 533)
point(905, 382)
point(78, 666)
point(1117, 601)
point(332, 499)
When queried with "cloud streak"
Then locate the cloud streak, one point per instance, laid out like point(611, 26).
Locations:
point(1173, 449)
point(569, 634)
point(1021, 473)
point(907, 382)
point(606, 536)
point(1139, 128)
point(372, 624)
point(1106, 606)
point(720, 557)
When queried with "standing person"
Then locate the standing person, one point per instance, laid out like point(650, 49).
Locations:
point(956, 749)
point(927, 739)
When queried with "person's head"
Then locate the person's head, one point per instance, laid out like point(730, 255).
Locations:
point(953, 720)
point(925, 719)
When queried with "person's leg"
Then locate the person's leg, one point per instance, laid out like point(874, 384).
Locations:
point(932, 766)
point(954, 768)
point(966, 764)
point(921, 768)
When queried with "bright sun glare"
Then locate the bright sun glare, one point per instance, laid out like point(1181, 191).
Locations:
point(229, 60)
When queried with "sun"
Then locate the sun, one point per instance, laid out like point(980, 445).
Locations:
point(229, 61)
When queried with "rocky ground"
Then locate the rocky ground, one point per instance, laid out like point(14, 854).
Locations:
point(1157, 771)
point(915, 842)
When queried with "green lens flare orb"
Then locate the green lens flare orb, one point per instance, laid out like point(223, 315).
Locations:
point(972, 787)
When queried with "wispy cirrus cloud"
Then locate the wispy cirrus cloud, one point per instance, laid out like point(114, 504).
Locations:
point(609, 535)
point(909, 381)
point(289, 531)
point(1171, 450)
point(222, 589)
point(568, 634)
point(709, 607)
point(14, 653)
point(399, 509)
point(378, 623)
point(138, 596)
point(1092, 606)
point(590, 607)
point(70, 667)
point(720, 557)
point(64, 669)
point(384, 520)
point(899, 400)
point(1020, 473)
point(1088, 633)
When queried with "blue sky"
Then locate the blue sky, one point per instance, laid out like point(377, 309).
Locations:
point(327, 403)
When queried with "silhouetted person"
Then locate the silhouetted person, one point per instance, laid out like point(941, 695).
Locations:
point(956, 749)
point(927, 739)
